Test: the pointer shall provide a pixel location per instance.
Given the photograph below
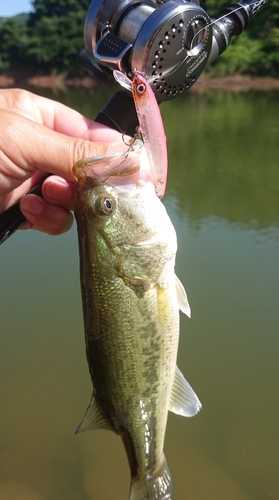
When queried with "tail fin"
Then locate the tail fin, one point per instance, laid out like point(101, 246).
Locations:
point(156, 486)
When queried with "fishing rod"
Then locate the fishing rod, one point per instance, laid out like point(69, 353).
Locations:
point(171, 42)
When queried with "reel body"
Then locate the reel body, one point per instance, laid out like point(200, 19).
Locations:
point(169, 42)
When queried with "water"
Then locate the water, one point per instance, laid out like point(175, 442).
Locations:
point(223, 198)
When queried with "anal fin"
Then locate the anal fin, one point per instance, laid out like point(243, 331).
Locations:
point(182, 297)
point(183, 400)
point(93, 418)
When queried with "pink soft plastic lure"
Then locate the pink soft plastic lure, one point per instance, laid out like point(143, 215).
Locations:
point(151, 126)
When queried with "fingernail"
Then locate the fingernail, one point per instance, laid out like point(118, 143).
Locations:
point(32, 204)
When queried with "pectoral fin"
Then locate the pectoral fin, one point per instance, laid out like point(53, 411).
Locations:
point(182, 297)
point(93, 418)
point(183, 400)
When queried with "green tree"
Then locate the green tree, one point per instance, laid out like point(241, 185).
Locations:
point(55, 8)
point(267, 29)
point(56, 34)
point(256, 50)
point(48, 41)
point(13, 42)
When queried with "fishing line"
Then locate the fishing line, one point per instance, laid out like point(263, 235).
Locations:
point(189, 53)
point(215, 22)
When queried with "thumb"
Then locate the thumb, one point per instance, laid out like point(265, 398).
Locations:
point(27, 146)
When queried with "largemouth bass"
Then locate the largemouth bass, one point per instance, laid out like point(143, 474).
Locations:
point(131, 300)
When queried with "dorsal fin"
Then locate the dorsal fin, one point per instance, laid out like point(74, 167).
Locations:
point(183, 400)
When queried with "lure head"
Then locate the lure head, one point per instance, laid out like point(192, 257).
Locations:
point(139, 85)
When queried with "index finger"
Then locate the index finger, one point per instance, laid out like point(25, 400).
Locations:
point(65, 120)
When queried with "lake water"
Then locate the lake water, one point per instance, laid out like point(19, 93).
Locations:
point(223, 198)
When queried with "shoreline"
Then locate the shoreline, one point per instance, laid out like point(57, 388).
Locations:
point(235, 83)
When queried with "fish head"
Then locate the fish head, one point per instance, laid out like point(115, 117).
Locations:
point(120, 205)
point(117, 190)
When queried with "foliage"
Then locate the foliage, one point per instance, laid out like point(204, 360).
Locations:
point(56, 41)
point(256, 51)
point(49, 39)
point(13, 43)
point(244, 56)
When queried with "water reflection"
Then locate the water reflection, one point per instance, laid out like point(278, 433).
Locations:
point(225, 157)
point(223, 199)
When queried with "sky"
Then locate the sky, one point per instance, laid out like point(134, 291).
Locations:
point(14, 7)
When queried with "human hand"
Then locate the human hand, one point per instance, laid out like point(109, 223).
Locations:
point(38, 135)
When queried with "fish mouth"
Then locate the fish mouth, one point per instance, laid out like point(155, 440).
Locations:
point(120, 169)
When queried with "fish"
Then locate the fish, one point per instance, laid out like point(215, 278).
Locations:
point(131, 299)
point(150, 125)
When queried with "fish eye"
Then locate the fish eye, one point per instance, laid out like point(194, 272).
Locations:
point(141, 88)
point(105, 205)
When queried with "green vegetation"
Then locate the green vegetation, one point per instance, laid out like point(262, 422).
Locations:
point(48, 40)
point(254, 52)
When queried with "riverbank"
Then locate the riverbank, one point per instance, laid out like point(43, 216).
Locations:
point(45, 81)
point(234, 83)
